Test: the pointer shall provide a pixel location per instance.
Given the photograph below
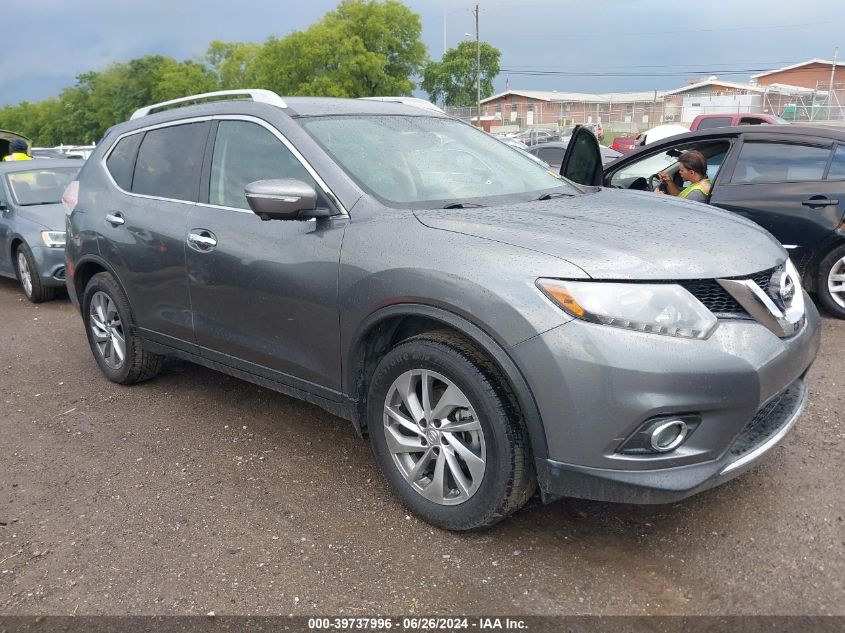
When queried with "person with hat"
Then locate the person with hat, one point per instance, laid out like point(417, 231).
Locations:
point(19, 151)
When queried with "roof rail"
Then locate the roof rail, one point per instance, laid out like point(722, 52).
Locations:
point(413, 101)
point(257, 94)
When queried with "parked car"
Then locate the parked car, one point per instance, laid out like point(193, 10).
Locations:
point(625, 144)
point(707, 121)
point(533, 136)
point(32, 224)
point(788, 179)
point(552, 153)
point(490, 326)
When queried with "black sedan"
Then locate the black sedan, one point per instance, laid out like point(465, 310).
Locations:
point(789, 179)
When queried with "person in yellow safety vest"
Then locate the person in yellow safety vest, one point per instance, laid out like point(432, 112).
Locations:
point(18, 148)
point(692, 167)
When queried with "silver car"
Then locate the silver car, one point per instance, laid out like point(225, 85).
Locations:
point(491, 326)
point(32, 224)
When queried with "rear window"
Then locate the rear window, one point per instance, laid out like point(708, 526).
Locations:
point(41, 186)
point(719, 121)
point(121, 161)
point(169, 162)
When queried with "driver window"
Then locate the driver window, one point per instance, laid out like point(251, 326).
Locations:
point(243, 153)
point(639, 174)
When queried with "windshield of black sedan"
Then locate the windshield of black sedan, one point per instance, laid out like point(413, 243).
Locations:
point(430, 161)
point(41, 186)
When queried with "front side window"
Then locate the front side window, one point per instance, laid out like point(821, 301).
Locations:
point(780, 162)
point(636, 175)
point(169, 162)
point(418, 161)
point(243, 153)
point(40, 186)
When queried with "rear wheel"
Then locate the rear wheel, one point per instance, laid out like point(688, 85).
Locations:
point(112, 335)
point(830, 282)
point(447, 434)
point(30, 278)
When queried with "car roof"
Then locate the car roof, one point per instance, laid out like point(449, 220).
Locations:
point(8, 167)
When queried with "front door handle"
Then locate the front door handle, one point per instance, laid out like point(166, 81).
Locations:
point(115, 219)
point(820, 201)
point(201, 239)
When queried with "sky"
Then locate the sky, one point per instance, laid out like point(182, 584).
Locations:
point(564, 45)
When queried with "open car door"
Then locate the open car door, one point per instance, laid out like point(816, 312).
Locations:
point(582, 160)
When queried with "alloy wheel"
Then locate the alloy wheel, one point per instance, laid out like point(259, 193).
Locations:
point(434, 437)
point(836, 282)
point(25, 273)
point(107, 329)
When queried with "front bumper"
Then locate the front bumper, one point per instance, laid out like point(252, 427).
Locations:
point(595, 385)
point(51, 265)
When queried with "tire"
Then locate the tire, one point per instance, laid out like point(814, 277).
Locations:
point(466, 479)
point(111, 330)
point(29, 277)
point(830, 282)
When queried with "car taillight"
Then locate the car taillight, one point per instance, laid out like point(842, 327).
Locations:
point(71, 197)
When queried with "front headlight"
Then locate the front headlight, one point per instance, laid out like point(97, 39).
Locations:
point(666, 309)
point(54, 239)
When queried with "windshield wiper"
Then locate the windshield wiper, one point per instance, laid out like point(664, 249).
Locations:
point(35, 204)
point(463, 205)
point(554, 194)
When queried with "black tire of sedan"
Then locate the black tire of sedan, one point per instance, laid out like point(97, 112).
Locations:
point(112, 335)
point(832, 273)
point(29, 277)
point(448, 434)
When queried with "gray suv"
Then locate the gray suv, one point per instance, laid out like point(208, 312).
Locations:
point(491, 326)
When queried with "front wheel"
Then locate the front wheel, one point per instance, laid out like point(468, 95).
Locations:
point(447, 434)
point(30, 278)
point(112, 335)
point(830, 282)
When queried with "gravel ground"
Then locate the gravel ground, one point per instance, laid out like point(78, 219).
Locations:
point(197, 492)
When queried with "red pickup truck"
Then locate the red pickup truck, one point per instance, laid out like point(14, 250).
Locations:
point(625, 144)
point(707, 121)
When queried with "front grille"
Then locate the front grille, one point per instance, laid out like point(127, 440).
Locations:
point(719, 301)
point(768, 420)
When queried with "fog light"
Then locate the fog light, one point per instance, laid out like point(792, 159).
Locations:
point(661, 434)
point(669, 436)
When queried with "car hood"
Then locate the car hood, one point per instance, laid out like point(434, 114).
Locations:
point(623, 235)
point(50, 216)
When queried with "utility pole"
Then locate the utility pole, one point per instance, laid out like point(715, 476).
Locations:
point(477, 68)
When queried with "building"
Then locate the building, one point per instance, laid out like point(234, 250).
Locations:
point(537, 107)
point(814, 74)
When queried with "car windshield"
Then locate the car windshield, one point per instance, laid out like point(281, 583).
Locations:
point(41, 186)
point(425, 162)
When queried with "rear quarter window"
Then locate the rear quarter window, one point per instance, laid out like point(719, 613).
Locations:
point(169, 162)
point(837, 166)
point(121, 160)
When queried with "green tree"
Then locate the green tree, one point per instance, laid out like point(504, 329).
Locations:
point(233, 63)
point(452, 80)
point(362, 48)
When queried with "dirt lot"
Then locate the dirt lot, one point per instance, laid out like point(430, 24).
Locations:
point(198, 492)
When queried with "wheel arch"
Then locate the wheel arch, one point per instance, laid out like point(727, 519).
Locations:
point(85, 269)
point(382, 330)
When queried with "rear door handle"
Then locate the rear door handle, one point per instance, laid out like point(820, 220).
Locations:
point(201, 240)
point(820, 201)
point(115, 219)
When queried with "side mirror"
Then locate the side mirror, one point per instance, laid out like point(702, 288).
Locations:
point(283, 199)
